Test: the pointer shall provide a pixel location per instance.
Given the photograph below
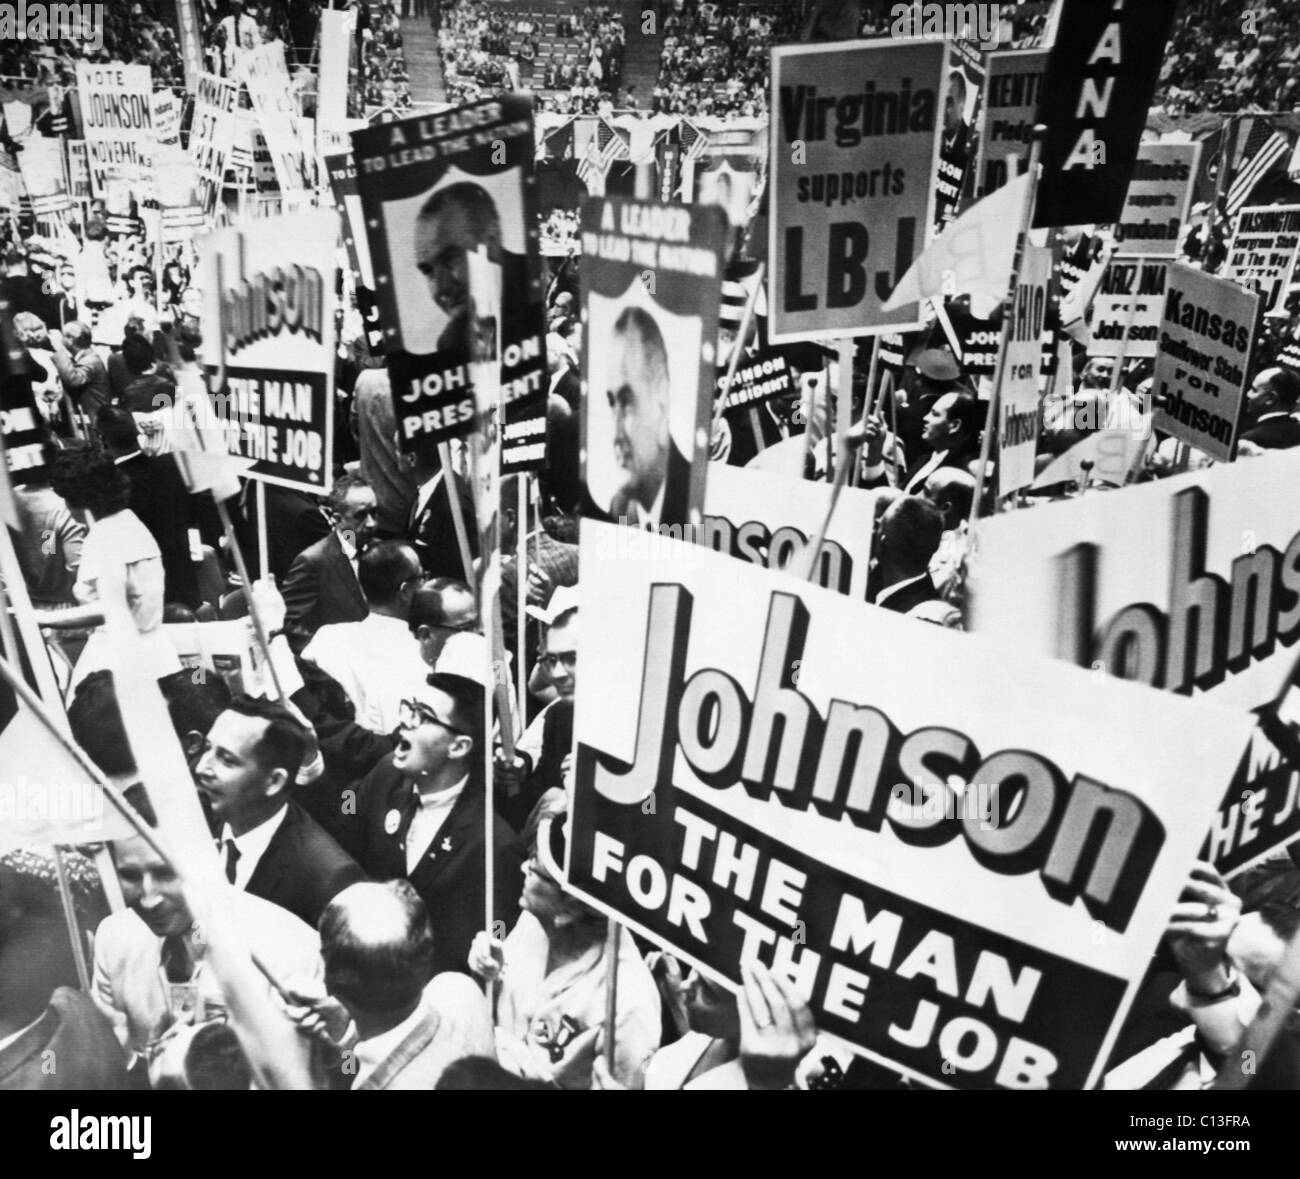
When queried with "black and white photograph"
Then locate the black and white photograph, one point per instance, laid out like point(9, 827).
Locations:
point(649, 545)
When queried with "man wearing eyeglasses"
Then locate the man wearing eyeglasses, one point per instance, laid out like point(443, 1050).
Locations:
point(420, 815)
point(440, 609)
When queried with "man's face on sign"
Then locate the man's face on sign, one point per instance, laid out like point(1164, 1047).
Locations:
point(441, 241)
point(638, 396)
point(954, 104)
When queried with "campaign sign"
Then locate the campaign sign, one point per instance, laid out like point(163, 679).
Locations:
point(856, 132)
point(1012, 84)
point(1127, 308)
point(1199, 381)
point(434, 188)
point(939, 878)
point(1101, 75)
point(117, 115)
point(768, 519)
point(1020, 414)
point(651, 290)
point(1263, 250)
point(269, 288)
point(1155, 206)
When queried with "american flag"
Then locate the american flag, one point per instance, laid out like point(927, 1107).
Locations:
point(611, 143)
point(590, 165)
point(1263, 151)
point(694, 141)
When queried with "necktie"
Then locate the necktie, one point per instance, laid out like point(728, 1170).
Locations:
point(175, 956)
point(232, 858)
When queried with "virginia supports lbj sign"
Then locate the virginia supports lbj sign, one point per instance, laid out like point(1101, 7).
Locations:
point(856, 128)
point(766, 769)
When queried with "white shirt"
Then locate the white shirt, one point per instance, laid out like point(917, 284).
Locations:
point(925, 471)
point(424, 494)
point(370, 1054)
point(428, 821)
point(885, 594)
point(350, 551)
point(251, 846)
point(377, 662)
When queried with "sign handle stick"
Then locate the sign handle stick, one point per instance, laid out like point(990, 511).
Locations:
point(263, 556)
point(521, 594)
point(612, 938)
point(1117, 372)
point(457, 516)
point(259, 631)
point(1008, 314)
point(873, 371)
point(849, 444)
point(70, 918)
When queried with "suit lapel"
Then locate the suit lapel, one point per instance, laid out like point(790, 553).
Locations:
point(455, 835)
point(274, 864)
point(389, 832)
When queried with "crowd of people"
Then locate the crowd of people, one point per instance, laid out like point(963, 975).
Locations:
point(572, 59)
point(143, 32)
point(351, 811)
point(714, 61)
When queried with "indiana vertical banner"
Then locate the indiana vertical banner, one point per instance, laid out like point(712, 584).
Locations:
point(855, 138)
point(1012, 88)
point(940, 879)
point(651, 287)
point(1100, 79)
point(269, 285)
point(434, 188)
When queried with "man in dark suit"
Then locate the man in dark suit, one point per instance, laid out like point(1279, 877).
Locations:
point(1270, 402)
point(322, 584)
point(657, 488)
point(432, 528)
point(908, 537)
point(420, 814)
point(271, 847)
point(951, 432)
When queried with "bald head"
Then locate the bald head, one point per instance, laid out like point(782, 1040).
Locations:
point(378, 951)
point(951, 490)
